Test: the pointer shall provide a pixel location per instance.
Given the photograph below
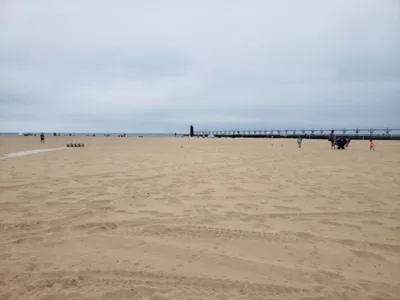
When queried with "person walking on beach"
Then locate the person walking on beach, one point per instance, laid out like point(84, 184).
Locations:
point(371, 145)
point(42, 138)
point(299, 141)
point(332, 139)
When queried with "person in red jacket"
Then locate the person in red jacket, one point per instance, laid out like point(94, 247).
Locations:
point(371, 145)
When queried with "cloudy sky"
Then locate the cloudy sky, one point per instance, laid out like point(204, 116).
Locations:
point(159, 66)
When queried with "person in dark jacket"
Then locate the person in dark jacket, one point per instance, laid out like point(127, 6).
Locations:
point(332, 139)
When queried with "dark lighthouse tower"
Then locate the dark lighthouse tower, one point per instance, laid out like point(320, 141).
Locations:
point(191, 130)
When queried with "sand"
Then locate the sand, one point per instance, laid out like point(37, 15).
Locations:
point(30, 152)
point(130, 218)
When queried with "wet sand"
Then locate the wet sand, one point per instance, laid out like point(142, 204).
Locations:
point(129, 218)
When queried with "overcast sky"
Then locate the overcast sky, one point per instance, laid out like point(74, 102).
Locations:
point(159, 66)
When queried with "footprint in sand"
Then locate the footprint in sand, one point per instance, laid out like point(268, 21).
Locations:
point(5, 256)
point(29, 240)
point(262, 226)
point(246, 205)
point(287, 208)
point(372, 222)
point(174, 200)
point(96, 227)
point(369, 255)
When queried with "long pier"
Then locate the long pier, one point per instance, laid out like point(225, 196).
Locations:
point(354, 134)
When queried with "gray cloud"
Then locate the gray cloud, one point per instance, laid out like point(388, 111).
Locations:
point(161, 66)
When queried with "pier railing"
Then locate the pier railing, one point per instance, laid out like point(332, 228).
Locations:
point(358, 133)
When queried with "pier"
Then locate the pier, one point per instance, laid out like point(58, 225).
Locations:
point(354, 134)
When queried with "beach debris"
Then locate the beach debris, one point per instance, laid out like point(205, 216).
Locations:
point(69, 145)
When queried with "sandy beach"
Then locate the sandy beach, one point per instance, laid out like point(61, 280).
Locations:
point(165, 218)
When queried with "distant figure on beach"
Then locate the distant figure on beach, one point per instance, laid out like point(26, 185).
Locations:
point(332, 139)
point(299, 141)
point(371, 145)
point(42, 138)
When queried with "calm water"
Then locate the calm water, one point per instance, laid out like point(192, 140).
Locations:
point(99, 134)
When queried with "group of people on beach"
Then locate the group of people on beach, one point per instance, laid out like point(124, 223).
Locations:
point(343, 142)
point(339, 142)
